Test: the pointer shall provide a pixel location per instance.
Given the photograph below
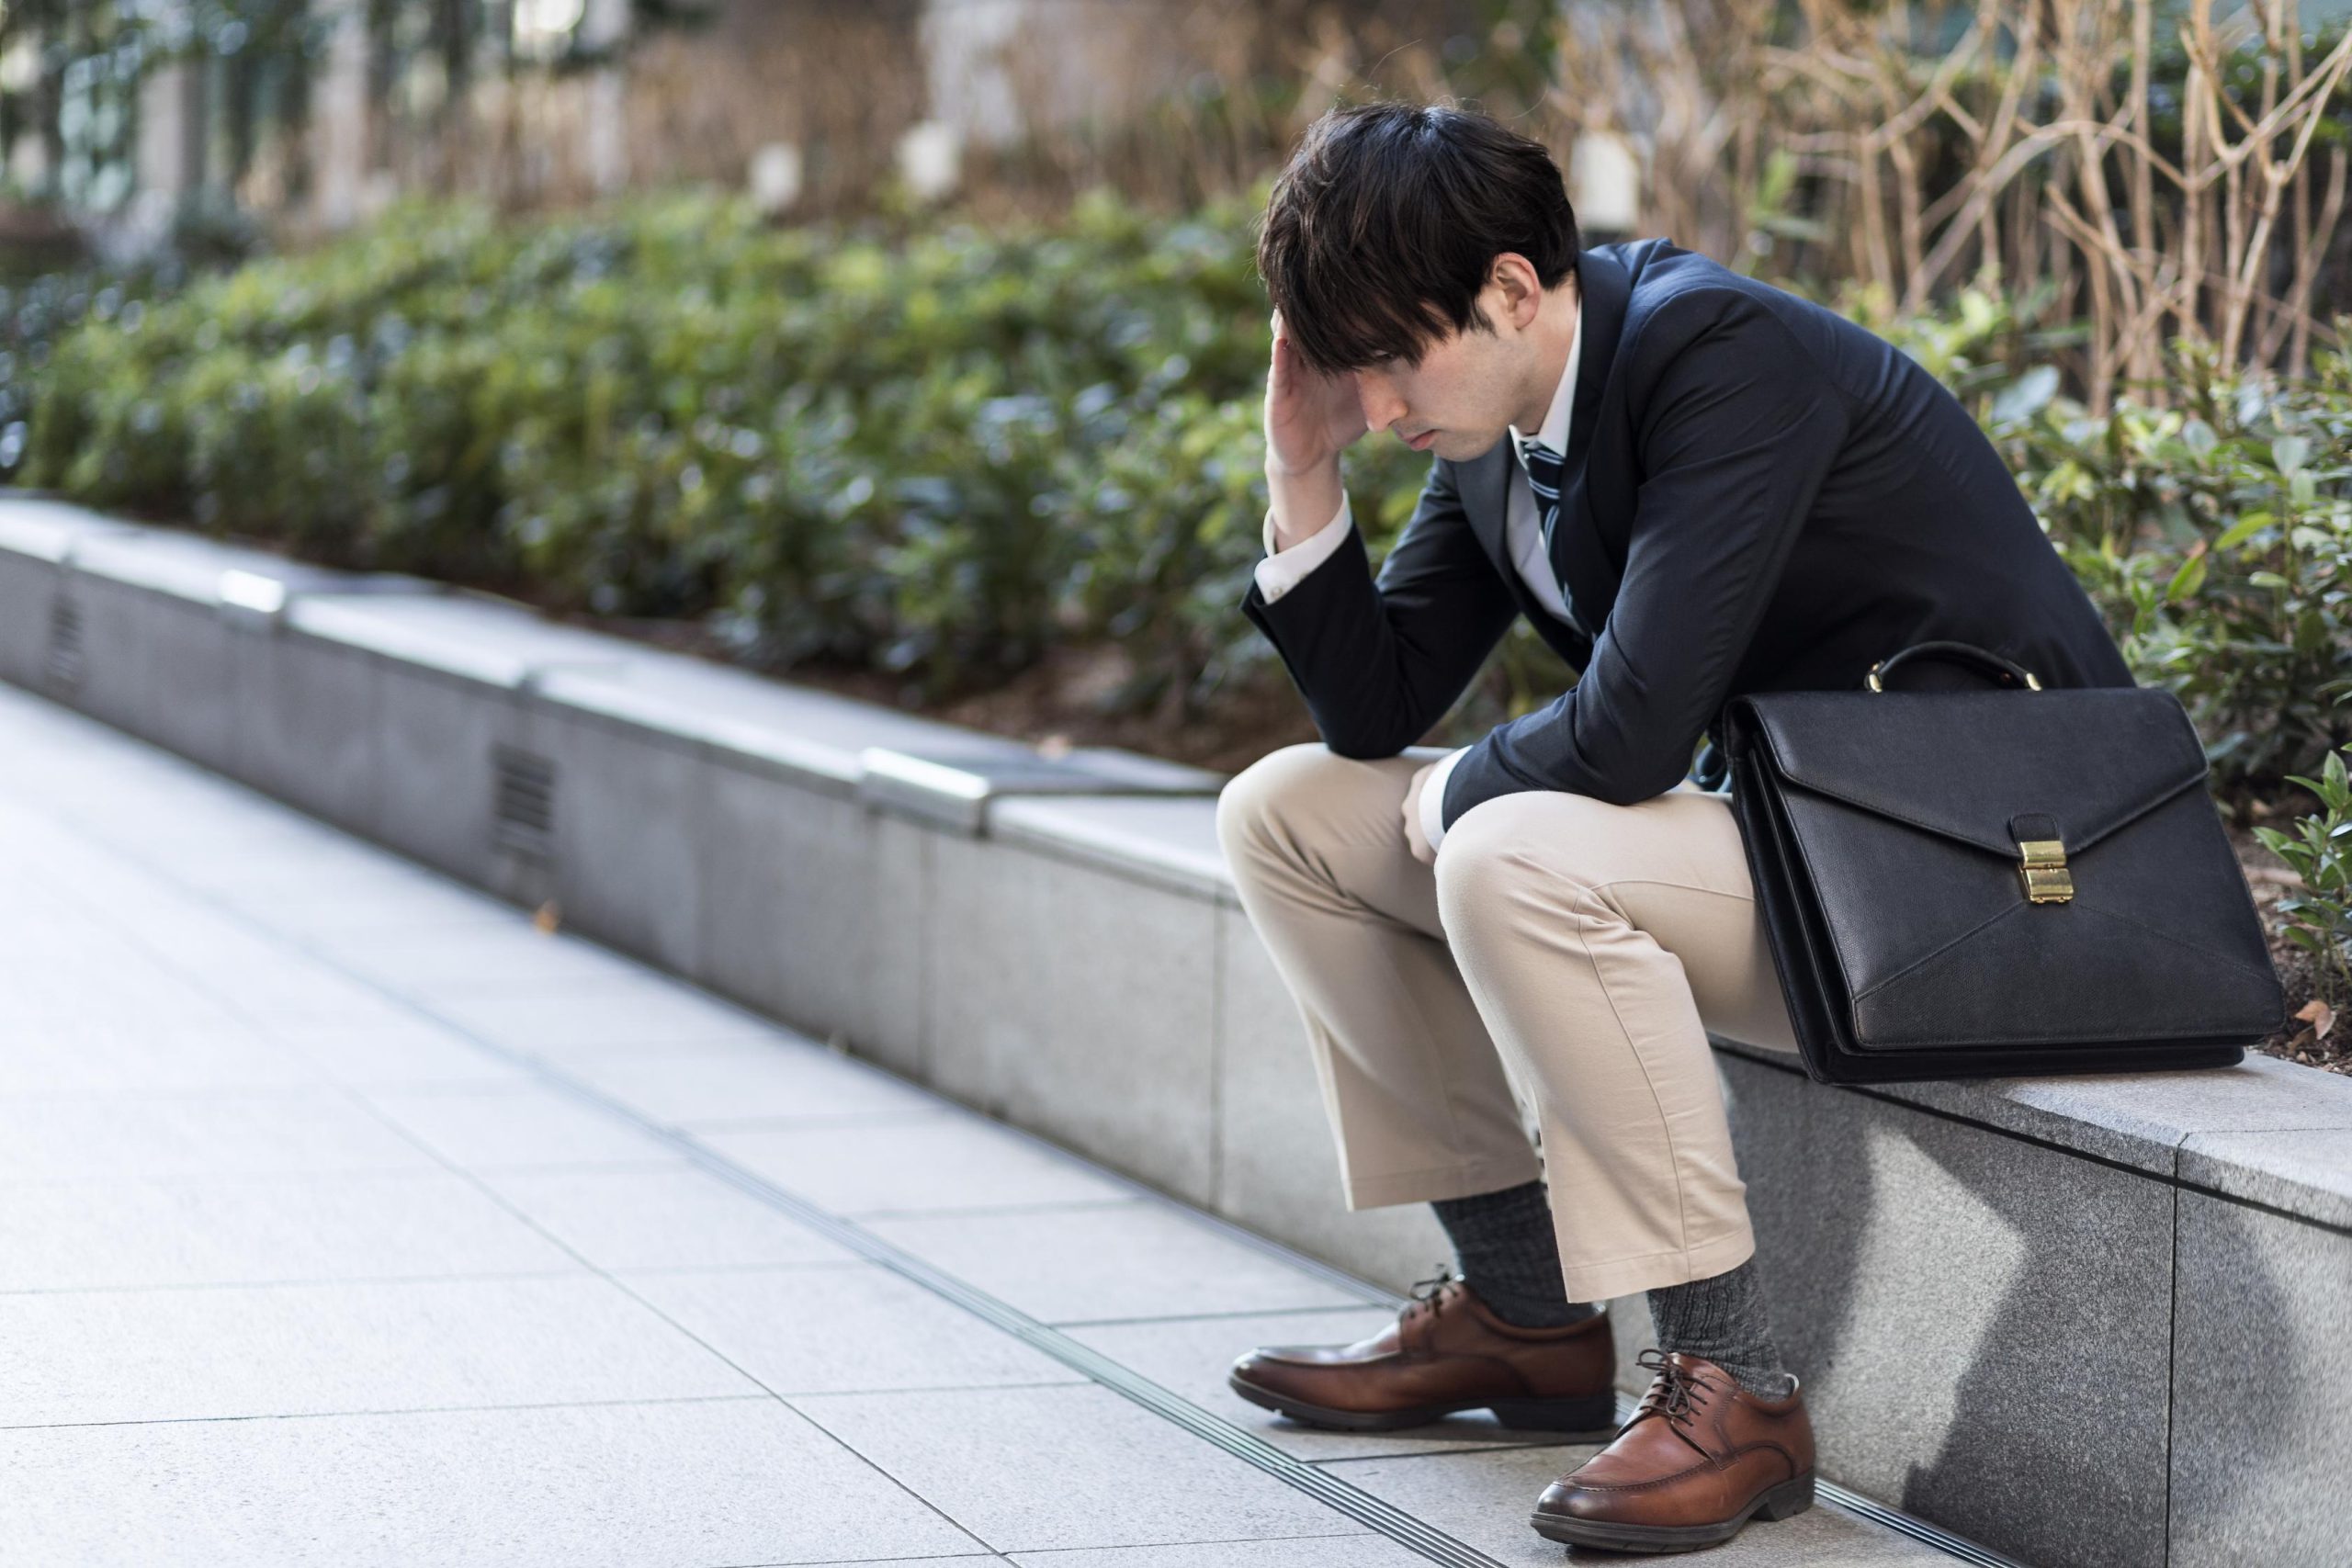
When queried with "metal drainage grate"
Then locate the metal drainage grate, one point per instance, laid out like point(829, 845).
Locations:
point(62, 663)
point(523, 805)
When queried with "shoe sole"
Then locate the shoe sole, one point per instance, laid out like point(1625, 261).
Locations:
point(1593, 1417)
point(1788, 1498)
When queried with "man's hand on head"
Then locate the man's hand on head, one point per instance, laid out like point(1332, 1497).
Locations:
point(1311, 418)
point(1413, 837)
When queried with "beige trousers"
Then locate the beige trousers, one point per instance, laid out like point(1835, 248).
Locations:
point(1563, 955)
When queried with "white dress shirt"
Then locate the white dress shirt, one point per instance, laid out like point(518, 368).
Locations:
point(1522, 536)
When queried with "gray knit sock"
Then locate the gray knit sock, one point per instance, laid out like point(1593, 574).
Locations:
point(1725, 1319)
point(1509, 1255)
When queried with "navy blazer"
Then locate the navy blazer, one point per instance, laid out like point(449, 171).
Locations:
point(1759, 495)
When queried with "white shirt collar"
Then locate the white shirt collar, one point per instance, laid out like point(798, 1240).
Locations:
point(1555, 433)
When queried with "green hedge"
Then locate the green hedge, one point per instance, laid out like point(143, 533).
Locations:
point(942, 452)
point(2217, 535)
point(936, 453)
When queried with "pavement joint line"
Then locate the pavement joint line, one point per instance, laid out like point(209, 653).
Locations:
point(320, 1282)
point(551, 1080)
point(815, 1121)
point(1375, 1513)
point(949, 1560)
point(1921, 1531)
point(987, 1211)
point(1153, 1318)
point(761, 1396)
point(1042, 1554)
point(1448, 1451)
point(1367, 1509)
point(784, 1266)
point(799, 1396)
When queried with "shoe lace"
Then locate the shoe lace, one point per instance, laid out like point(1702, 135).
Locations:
point(1428, 1300)
point(1676, 1394)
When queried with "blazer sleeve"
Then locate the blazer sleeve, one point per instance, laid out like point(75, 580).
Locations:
point(1380, 661)
point(1734, 439)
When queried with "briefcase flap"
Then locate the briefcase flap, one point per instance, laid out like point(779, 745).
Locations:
point(1938, 945)
point(1963, 763)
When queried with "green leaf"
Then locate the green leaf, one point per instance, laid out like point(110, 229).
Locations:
point(2186, 581)
point(2245, 528)
point(2029, 394)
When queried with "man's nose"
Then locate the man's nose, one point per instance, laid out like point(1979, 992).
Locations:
point(1382, 406)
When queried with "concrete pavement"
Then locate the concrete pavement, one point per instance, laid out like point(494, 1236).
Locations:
point(347, 1217)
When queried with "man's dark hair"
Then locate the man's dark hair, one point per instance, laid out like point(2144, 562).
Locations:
point(1380, 231)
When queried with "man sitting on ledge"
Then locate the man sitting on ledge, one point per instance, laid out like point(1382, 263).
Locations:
point(1694, 485)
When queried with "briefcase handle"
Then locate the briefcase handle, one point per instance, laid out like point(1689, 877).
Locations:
point(2003, 672)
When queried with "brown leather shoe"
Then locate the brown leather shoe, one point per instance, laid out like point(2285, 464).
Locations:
point(1698, 1457)
point(1446, 1351)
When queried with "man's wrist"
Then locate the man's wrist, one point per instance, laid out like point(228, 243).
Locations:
point(1432, 801)
point(1301, 502)
point(1283, 569)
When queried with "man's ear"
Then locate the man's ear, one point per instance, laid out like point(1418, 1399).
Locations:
point(1514, 278)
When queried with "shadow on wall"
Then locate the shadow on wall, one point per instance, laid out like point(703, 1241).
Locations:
point(1984, 1324)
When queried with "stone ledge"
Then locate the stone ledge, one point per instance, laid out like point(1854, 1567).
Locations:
point(2269, 1131)
point(2144, 1122)
point(2304, 1173)
point(472, 636)
point(1168, 843)
point(38, 528)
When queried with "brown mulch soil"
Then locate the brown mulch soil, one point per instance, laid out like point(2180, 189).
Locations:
point(1063, 701)
point(2313, 1036)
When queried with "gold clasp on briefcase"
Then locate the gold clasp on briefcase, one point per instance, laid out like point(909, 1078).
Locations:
point(2042, 863)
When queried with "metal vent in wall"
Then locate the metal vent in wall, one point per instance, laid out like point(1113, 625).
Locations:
point(523, 810)
point(62, 663)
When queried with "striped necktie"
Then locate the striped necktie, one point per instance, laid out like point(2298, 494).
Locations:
point(1543, 474)
point(1545, 469)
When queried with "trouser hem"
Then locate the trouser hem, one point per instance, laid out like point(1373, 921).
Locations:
point(1440, 1181)
point(1615, 1277)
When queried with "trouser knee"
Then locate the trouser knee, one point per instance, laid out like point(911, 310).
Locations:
point(1252, 806)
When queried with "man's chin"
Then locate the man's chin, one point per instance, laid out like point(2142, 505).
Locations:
point(1455, 446)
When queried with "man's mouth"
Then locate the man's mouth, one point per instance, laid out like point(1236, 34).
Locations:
point(1420, 442)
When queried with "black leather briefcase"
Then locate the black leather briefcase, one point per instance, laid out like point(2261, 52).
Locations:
point(1964, 883)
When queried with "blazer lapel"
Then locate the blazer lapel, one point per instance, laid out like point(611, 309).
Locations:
point(1577, 556)
point(1484, 484)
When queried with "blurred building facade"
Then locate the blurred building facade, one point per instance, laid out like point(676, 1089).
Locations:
point(1915, 151)
point(314, 114)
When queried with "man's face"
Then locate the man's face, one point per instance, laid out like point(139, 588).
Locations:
point(1462, 394)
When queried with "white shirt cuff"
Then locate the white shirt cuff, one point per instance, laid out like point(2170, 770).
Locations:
point(1278, 573)
point(1432, 801)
